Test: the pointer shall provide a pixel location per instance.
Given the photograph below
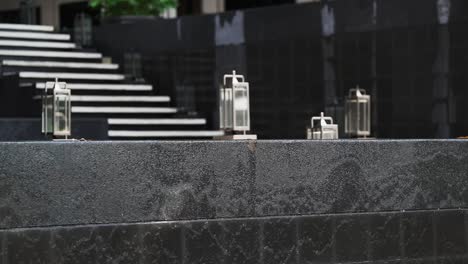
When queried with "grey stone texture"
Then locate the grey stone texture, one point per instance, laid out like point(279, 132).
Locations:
point(65, 183)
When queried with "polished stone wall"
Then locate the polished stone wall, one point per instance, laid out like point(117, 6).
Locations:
point(428, 236)
point(343, 201)
point(62, 183)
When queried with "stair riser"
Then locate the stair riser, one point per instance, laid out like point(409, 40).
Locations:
point(45, 58)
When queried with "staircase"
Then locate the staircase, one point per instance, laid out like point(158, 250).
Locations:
point(37, 54)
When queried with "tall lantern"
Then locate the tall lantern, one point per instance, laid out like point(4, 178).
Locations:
point(322, 127)
point(357, 113)
point(234, 107)
point(56, 110)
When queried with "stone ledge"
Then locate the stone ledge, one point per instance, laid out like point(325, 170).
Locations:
point(45, 183)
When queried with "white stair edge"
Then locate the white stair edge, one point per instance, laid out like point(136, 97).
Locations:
point(26, 27)
point(103, 87)
point(120, 98)
point(33, 35)
point(123, 110)
point(162, 133)
point(59, 64)
point(37, 44)
point(156, 121)
point(66, 75)
point(52, 54)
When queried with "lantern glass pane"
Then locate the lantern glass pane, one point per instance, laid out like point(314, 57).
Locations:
point(61, 124)
point(353, 116)
point(227, 108)
point(362, 116)
point(48, 114)
point(241, 108)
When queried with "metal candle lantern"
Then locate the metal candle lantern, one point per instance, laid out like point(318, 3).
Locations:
point(234, 106)
point(56, 110)
point(357, 113)
point(322, 127)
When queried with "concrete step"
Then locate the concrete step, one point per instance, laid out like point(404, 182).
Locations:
point(34, 35)
point(26, 27)
point(103, 87)
point(122, 110)
point(156, 121)
point(50, 54)
point(60, 64)
point(165, 134)
point(121, 98)
point(37, 44)
point(72, 76)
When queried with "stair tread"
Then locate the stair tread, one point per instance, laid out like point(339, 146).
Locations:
point(26, 27)
point(34, 35)
point(59, 64)
point(53, 54)
point(156, 121)
point(37, 44)
point(103, 86)
point(165, 133)
point(119, 98)
point(72, 75)
point(123, 110)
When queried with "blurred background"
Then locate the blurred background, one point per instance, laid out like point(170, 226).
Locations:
point(300, 57)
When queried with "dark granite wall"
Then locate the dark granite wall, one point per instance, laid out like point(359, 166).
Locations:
point(434, 236)
point(302, 59)
point(112, 182)
point(352, 201)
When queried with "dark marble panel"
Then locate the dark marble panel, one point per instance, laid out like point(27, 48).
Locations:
point(418, 235)
point(242, 241)
point(280, 240)
point(392, 237)
point(204, 242)
point(316, 239)
point(384, 236)
point(161, 243)
point(352, 237)
point(29, 246)
point(74, 245)
point(118, 244)
point(3, 250)
point(102, 182)
point(450, 233)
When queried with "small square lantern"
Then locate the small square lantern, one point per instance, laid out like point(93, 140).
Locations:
point(234, 107)
point(357, 113)
point(56, 110)
point(322, 127)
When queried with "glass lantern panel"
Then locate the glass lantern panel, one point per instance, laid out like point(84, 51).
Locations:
point(362, 116)
point(61, 122)
point(241, 108)
point(47, 114)
point(353, 116)
point(221, 109)
point(227, 102)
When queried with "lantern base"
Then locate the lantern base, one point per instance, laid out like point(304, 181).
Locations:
point(237, 137)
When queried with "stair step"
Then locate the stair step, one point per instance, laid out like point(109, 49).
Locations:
point(123, 110)
point(59, 64)
point(52, 54)
point(164, 134)
point(156, 121)
point(32, 35)
point(37, 44)
point(70, 75)
point(26, 27)
point(104, 87)
point(121, 98)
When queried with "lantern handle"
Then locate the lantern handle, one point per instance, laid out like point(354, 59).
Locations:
point(232, 76)
point(357, 90)
point(323, 119)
